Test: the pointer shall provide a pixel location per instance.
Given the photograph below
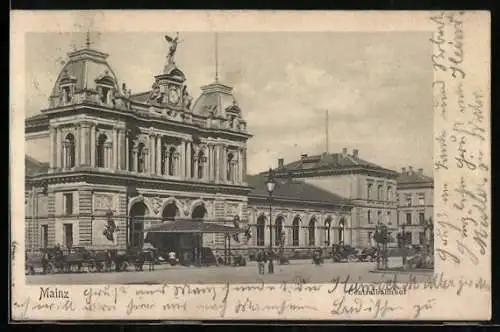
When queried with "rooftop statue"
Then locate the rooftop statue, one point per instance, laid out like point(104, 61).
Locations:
point(172, 48)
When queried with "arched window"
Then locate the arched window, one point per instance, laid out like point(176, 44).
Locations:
point(261, 228)
point(199, 212)
point(171, 161)
point(170, 212)
point(69, 151)
point(279, 231)
point(141, 158)
point(136, 224)
point(328, 224)
point(101, 151)
point(229, 167)
point(341, 230)
point(295, 231)
point(201, 164)
point(312, 234)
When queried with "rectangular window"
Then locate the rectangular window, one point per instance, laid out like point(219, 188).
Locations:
point(389, 193)
point(370, 238)
point(421, 218)
point(380, 191)
point(389, 221)
point(44, 240)
point(408, 218)
point(369, 191)
point(379, 217)
point(421, 236)
point(421, 199)
point(408, 200)
point(68, 235)
point(68, 204)
point(369, 217)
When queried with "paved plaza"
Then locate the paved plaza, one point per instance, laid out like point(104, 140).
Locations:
point(296, 271)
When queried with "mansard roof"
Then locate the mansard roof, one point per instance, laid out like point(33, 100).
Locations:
point(85, 68)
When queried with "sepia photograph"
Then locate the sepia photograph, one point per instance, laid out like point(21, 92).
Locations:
point(157, 158)
point(237, 165)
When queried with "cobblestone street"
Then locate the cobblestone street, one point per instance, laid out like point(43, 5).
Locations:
point(298, 270)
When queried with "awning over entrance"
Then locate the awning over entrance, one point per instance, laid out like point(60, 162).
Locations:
point(191, 226)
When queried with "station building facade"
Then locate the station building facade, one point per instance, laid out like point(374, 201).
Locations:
point(142, 157)
point(370, 189)
point(104, 164)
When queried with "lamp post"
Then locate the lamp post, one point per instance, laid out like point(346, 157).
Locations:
point(270, 184)
point(403, 243)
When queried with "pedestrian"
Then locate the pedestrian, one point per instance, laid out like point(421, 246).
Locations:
point(260, 258)
point(270, 258)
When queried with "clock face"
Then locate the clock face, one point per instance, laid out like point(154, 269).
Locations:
point(173, 95)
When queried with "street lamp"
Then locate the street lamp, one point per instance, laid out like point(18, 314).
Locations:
point(403, 243)
point(270, 184)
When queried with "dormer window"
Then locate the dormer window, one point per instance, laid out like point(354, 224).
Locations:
point(67, 87)
point(105, 87)
point(67, 95)
point(105, 94)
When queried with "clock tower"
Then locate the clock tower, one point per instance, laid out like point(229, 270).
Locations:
point(169, 89)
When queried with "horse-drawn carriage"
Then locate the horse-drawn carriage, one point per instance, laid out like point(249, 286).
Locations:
point(344, 253)
point(80, 259)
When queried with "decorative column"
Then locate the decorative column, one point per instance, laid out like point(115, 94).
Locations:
point(216, 163)
point(223, 161)
point(210, 160)
point(121, 148)
point(188, 159)
point(237, 167)
point(147, 159)
point(127, 152)
point(109, 155)
point(182, 164)
point(78, 146)
point(92, 145)
point(52, 147)
point(158, 154)
point(115, 148)
point(59, 153)
point(152, 151)
point(205, 165)
point(134, 160)
point(243, 165)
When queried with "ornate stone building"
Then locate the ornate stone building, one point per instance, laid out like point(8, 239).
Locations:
point(415, 204)
point(370, 189)
point(145, 157)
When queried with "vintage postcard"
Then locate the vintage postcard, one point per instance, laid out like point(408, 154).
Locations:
point(250, 165)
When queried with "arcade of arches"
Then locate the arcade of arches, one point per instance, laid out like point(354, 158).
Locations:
point(139, 214)
point(298, 233)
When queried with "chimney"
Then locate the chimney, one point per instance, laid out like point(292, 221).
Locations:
point(421, 170)
point(303, 156)
point(410, 169)
point(355, 153)
point(124, 87)
point(344, 152)
point(281, 162)
point(403, 170)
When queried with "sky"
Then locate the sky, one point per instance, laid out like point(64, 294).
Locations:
point(375, 86)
